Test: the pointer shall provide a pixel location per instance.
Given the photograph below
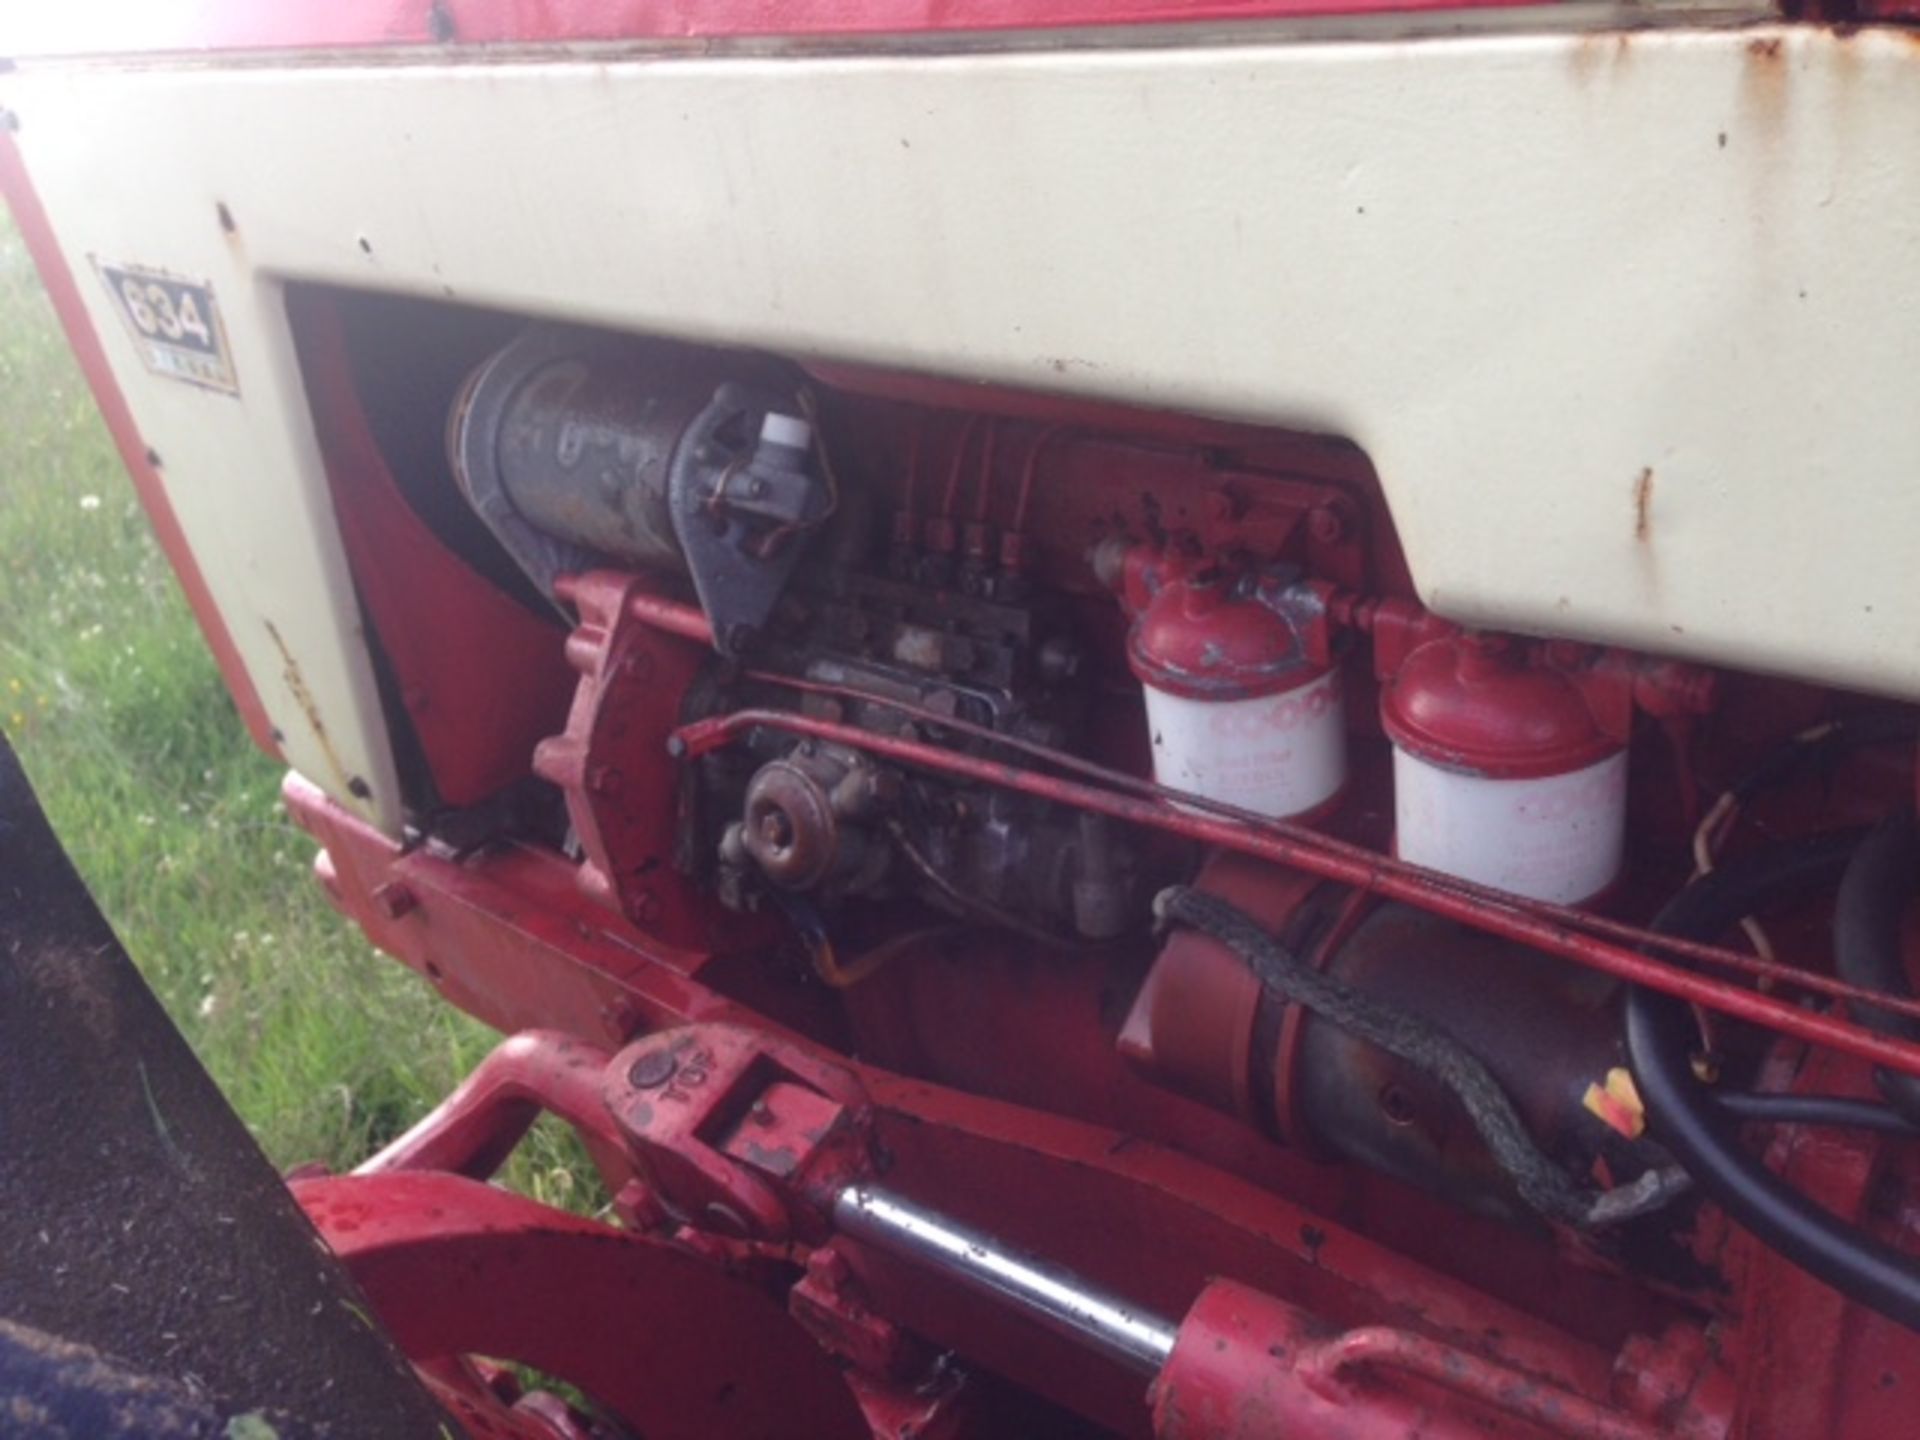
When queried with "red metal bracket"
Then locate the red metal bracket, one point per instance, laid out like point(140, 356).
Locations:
point(738, 1131)
point(454, 1267)
point(615, 748)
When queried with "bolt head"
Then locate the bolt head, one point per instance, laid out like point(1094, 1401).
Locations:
point(652, 1070)
point(1327, 525)
point(395, 900)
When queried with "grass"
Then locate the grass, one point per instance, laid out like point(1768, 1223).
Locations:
point(326, 1048)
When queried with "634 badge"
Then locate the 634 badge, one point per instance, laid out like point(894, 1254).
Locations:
point(176, 324)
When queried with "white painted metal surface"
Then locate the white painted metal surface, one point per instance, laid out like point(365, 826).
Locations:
point(1627, 323)
point(1278, 754)
point(1553, 837)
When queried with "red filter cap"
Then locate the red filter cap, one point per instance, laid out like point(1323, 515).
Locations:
point(1475, 702)
point(1209, 635)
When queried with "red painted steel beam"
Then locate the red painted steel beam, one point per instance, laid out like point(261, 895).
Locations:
point(475, 1128)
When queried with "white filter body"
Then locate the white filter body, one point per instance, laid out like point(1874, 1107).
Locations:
point(1278, 754)
point(1553, 837)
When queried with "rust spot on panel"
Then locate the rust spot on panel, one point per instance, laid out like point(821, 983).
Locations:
point(303, 697)
point(236, 243)
point(1763, 81)
point(1599, 52)
point(1643, 506)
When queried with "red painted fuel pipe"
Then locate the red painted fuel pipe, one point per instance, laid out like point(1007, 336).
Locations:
point(687, 621)
point(1375, 874)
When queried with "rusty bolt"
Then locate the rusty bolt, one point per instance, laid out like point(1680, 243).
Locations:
point(394, 900)
point(1326, 524)
point(653, 1069)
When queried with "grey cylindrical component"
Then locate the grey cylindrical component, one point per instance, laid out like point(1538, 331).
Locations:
point(570, 437)
point(1062, 1302)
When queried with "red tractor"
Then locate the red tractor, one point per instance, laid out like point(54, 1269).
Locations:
point(1171, 721)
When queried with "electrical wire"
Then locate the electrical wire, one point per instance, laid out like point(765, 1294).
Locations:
point(823, 955)
point(1868, 915)
point(1705, 1137)
point(809, 408)
point(1418, 1041)
point(972, 904)
point(1707, 838)
point(1840, 1112)
point(1779, 765)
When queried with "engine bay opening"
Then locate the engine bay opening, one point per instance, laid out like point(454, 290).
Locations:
point(1106, 766)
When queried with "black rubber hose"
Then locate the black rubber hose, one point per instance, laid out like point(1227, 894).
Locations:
point(1839, 1112)
point(1853, 732)
point(1874, 895)
point(1706, 1139)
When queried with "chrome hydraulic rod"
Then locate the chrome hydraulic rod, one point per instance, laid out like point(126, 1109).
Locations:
point(1056, 1298)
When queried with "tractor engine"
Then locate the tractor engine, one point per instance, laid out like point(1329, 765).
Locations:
point(849, 605)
